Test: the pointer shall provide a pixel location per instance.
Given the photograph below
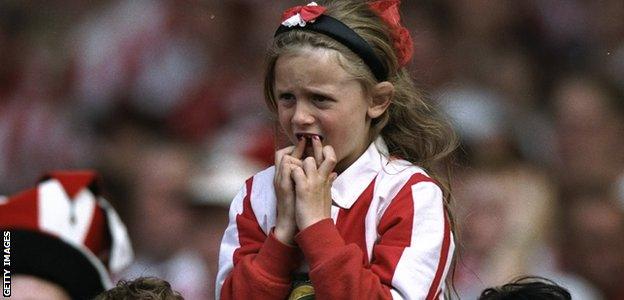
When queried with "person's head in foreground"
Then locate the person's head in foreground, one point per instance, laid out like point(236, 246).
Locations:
point(142, 288)
point(527, 288)
point(65, 238)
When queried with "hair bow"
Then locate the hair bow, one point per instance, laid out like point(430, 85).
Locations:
point(388, 11)
point(301, 15)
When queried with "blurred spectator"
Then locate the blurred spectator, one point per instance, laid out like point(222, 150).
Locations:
point(592, 239)
point(506, 221)
point(37, 132)
point(589, 119)
point(212, 189)
point(161, 221)
point(65, 239)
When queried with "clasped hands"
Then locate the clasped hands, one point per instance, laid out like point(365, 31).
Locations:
point(302, 187)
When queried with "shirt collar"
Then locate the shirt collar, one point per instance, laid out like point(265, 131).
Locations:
point(355, 179)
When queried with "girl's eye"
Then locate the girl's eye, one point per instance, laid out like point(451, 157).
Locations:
point(320, 98)
point(286, 97)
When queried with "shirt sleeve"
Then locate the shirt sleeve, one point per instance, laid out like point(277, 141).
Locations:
point(410, 258)
point(252, 265)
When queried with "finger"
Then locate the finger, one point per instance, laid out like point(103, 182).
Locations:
point(285, 160)
point(279, 154)
point(317, 146)
point(309, 166)
point(329, 161)
point(299, 177)
point(291, 160)
point(299, 149)
point(285, 181)
point(279, 171)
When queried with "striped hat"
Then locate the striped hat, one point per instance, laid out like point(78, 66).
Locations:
point(63, 231)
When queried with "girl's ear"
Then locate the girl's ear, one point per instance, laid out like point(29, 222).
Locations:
point(382, 96)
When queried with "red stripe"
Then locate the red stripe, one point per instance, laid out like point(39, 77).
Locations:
point(249, 231)
point(395, 230)
point(74, 181)
point(350, 222)
point(21, 211)
point(98, 238)
point(446, 242)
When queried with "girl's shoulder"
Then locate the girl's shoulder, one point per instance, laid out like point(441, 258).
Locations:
point(397, 169)
point(397, 174)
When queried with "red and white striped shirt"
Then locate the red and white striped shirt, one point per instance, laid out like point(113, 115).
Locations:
point(389, 237)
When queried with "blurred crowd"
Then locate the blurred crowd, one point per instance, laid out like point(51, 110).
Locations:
point(164, 99)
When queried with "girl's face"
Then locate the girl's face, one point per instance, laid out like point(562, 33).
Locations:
point(316, 96)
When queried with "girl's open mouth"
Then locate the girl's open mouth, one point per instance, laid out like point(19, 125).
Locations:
point(308, 136)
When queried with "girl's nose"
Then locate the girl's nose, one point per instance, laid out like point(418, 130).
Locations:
point(303, 115)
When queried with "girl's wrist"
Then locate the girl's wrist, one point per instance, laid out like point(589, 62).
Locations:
point(285, 235)
point(307, 222)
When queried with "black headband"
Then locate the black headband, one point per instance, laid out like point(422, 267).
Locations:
point(343, 34)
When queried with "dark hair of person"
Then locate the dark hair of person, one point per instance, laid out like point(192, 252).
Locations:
point(144, 288)
point(529, 288)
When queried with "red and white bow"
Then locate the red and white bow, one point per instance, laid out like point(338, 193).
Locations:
point(301, 15)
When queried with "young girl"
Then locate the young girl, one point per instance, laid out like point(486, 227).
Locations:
point(351, 209)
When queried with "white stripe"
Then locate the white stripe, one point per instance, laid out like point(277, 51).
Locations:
point(418, 264)
point(230, 242)
point(56, 211)
point(263, 200)
point(84, 210)
point(388, 184)
point(121, 249)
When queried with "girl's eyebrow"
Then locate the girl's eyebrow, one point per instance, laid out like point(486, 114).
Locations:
point(323, 90)
point(328, 92)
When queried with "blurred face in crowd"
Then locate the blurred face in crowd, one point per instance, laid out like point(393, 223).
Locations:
point(482, 212)
point(588, 133)
point(26, 287)
point(596, 241)
point(161, 212)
